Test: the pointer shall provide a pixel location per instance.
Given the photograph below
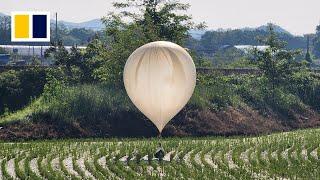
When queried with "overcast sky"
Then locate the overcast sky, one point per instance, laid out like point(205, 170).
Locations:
point(297, 16)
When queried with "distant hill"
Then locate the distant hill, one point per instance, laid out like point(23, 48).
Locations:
point(211, 41)
point(97, 25)
point(94, 24)
point(1, 14)
point(197, 34)
point(277, 29)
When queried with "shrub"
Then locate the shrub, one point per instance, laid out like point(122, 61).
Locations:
point(214, 92)
point(257, 93)
point(306, 85)
point(18, 88)
point(81, 102)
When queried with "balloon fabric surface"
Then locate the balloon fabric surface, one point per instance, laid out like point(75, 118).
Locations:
point(160, 78)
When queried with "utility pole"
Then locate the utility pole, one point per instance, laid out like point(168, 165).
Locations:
point(308, 43)
point(41, 57)
point(4, 29)
point(57, 38)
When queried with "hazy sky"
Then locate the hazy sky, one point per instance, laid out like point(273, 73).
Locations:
point(297, 16)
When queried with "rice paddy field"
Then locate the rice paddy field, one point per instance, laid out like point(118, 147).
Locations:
point(292, 155)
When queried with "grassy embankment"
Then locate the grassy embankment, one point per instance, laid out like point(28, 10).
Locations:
point(220, 105)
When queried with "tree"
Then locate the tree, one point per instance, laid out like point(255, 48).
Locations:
point(72, 36)
point(140, 22)
point(227, 56)
point(3, 51)
point(66, 59)
point(82, 35)
point(159, 18)
point(308, 56)
point(276, 63)
point(5, 28)
point(35, 61)
point(316, 43)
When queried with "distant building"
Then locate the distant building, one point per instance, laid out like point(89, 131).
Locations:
point(4, 59)
point(243, 48)
point(19, 63)
point(249, 48)
point(31, 50)
point(225, 47)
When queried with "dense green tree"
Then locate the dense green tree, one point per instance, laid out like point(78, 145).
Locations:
point(72, 61)
point(226, 56)
point(18, 88)
point(159, 19)
point(140, 22)
point(83, 35)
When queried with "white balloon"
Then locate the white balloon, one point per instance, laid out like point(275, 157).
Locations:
point(160, 78)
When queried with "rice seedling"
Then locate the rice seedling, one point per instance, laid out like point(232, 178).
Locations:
point(292, 155)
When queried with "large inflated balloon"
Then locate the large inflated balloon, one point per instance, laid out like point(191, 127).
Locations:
point(160, 78)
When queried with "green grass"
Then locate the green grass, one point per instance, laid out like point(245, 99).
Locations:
point(227, 157)
point(23, 114)
point(74, 103)
point(214, 92)
point(97, 102)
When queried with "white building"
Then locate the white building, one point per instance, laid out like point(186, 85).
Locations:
point(250, 48)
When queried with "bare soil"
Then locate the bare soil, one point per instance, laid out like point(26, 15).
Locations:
point(228, 122)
